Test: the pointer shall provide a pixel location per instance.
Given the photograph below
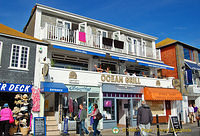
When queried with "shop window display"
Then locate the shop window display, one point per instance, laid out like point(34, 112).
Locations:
point(108, 109)
point(21, 105)
point(71, 104)
point(157, 107)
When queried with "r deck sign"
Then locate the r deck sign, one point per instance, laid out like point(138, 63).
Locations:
point(19, 88)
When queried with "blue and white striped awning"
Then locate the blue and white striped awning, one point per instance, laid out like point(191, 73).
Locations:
point(154, 64)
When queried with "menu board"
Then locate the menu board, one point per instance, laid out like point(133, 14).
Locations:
point(39, 126)
point(175, 122)
point(173, 125)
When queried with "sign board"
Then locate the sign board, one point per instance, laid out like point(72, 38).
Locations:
point(173, 125)
point(19, 88)
point(39, 126)
point(65, 129)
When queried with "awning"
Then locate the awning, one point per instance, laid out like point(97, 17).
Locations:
point(151, 93)
point(122, 58)
point(53, 87)
point(192, 66)
point(79, 51)
point(154, 64)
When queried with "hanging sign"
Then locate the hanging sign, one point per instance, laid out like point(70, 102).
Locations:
point(19, 88)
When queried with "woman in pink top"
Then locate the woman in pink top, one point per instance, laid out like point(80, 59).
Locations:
point(4, 118)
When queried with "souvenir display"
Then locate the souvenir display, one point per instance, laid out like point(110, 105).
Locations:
point(21, 113)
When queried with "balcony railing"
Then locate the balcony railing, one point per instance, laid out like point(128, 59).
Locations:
point(56, 33)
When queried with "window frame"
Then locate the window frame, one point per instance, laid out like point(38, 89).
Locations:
point(63, 23)
point(1, 48)
point(19, 59)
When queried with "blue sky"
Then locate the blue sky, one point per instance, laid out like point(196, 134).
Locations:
point(176, 19)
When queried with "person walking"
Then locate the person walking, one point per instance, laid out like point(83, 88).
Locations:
point(144, 118)
point(191, 113)
point(96, 121)
point(5, 116)
point(195, 111)
point(82, 117)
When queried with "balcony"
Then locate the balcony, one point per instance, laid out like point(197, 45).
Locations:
point(51, 32)
point(96, 78)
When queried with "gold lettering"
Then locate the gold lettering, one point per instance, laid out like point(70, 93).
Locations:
point(103, 77)
point(121, 79)
point(108, 78)
point(116, 79)
point(138, 81)
point(112, 78)
point(134, 80)
point(127, 80)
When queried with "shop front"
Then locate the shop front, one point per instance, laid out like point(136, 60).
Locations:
point(18, 97)
point(163, 102)
point(51, 102)
point(119, 102)
point(79, 94)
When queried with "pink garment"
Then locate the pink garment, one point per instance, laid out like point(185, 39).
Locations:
point(70, 105)
point(36, 99)
point(82, 36)
point(5, 114)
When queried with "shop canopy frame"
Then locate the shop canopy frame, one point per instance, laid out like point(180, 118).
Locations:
point(53, 87)
point(192, 66)
point(153, 93)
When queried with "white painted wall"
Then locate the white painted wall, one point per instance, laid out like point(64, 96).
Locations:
point(91, 78)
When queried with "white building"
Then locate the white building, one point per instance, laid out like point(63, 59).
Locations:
point(76, 45)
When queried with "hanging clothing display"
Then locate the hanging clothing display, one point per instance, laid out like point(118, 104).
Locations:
point(75, 107)
point(82, 36)
point(36, 99)
point(70, 105)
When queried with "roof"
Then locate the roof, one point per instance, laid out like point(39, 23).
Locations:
point(169, 41)
point(10, 31)
point(86, 19)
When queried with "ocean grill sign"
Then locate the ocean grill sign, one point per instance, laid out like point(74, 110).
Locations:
point(19, 88)
point(120, 79)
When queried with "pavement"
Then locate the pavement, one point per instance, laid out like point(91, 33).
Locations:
point(187, 130)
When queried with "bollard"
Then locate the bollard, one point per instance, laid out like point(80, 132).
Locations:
point(180, 120)
point(127, 130)
point(157, 122)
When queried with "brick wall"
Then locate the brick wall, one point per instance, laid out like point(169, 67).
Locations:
point(168, 56)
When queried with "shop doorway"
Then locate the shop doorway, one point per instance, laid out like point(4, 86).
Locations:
point(123, 110)
point(168, 109)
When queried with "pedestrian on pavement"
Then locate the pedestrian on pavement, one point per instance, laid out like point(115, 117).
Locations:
point(195, 111)
point(82, 116)
point(144, 118)
point(5, 116)
point(96, 121)
point(191, 113)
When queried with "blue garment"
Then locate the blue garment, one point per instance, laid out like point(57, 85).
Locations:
point(82, 126)
point(90, 109)
point(91, 120)
point(95, 124)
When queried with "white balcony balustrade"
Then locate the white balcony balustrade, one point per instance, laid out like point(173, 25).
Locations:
point(51, 32)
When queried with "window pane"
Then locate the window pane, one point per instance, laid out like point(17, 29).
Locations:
point(108, 109)
point(191, 54)
point(186, 54)
point(15, 56)
point(24, 54)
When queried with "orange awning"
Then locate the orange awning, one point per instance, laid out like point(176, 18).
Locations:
point(151, 93)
